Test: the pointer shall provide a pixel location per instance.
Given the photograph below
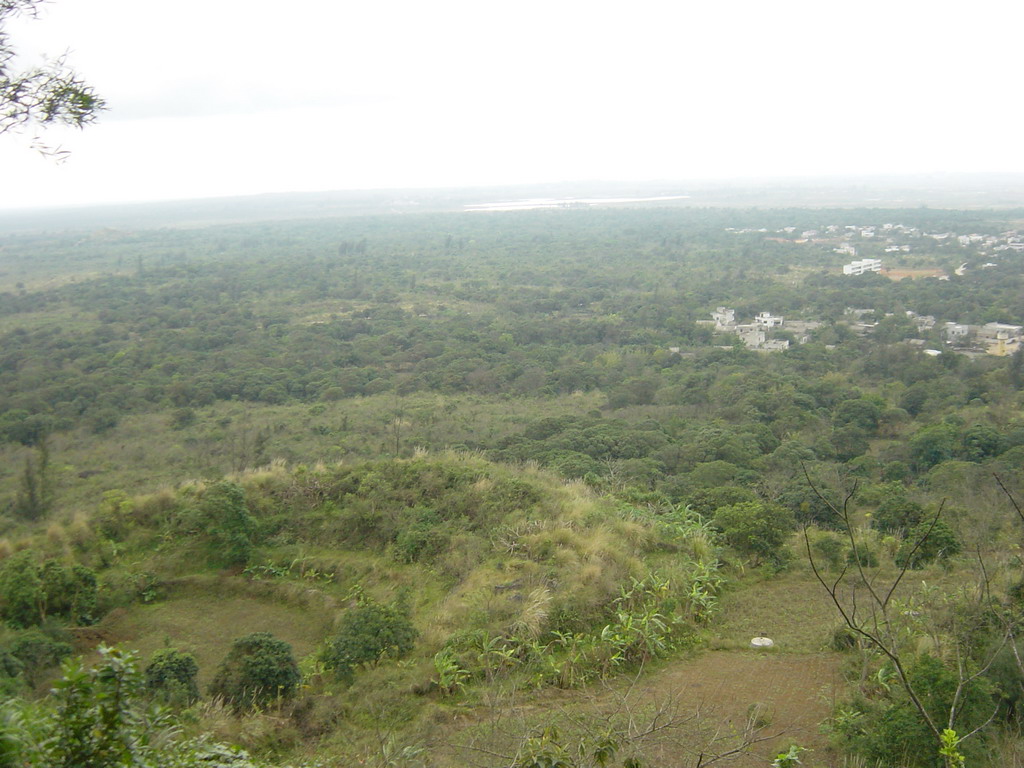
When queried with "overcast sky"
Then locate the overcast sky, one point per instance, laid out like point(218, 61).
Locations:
point(225, 97)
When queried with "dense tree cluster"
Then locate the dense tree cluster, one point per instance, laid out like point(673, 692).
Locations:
point(284, 315)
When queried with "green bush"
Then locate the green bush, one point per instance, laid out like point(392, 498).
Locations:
point(95, 718)
point(843, 639)
point(810, 507)
point(20, 591)
point(69, 593)
point(864, 555)
point(896, 734)
point(897, 513)
point(830, 547)
point(36, 652)
point(113, 519)
point(757, 529)
point(10, 677)
point(422, 540)
point(706, 500)
point(258, 670)
point(30, 593)
point(1004, 674)
point(171, 676)
point(938, 544)
point(231, 528)
point(369, 632)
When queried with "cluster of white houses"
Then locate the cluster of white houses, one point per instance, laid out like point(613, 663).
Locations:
point(891, 239)
point(755, 335)
point(999, 339)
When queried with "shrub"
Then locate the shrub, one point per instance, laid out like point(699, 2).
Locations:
point(30, 593)
point(810, 507)
point(258, 670)
point(830, 547)
point(756, 529)
point(933, 445)
point(369, 632)
point(95, 719)
point(939, 544)
point(37, 652)
point(20, 591)
point(69, 593)
point(863, 555)
point(706, 500)
point(897, 734)
point(114, 515)
point(171, 676)
point(10, 677)
point(843, 639)
point(895, 472)
point(897, 512)
point(231, 527)
point(423, 539)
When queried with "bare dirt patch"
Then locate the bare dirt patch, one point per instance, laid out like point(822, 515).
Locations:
point(899, 274)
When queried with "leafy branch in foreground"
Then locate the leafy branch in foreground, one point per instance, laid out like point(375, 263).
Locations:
point(43, 95)
point(97, 717)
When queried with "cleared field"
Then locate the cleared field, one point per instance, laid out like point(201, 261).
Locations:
point(687, 709)
point(206, 624)
point(899, 274)
point(791, 693)
point(791, 608)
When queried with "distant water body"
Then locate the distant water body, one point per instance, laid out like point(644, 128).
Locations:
point(536, 203)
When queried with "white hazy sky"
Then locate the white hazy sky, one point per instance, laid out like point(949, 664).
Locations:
point(225, 97)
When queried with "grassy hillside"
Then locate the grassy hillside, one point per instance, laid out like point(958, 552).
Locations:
point(534, 601)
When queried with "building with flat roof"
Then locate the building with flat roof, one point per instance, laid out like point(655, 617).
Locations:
point(860, 266)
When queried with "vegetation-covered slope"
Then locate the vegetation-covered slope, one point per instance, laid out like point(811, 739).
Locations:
point(464, 464)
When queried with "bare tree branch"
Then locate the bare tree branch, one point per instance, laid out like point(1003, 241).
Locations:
point(878, 631)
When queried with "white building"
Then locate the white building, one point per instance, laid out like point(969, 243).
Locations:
point(751, 336)
point(768, 321)
point(957, 330)
point(923, 322)
point(993, 331)
point(724, 316)
point(861, 266)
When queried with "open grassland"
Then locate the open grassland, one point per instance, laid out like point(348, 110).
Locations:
point(205, 623)
point(707, 704)
point(790, 607)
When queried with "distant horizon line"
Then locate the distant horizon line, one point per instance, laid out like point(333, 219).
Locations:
point(945, 181)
